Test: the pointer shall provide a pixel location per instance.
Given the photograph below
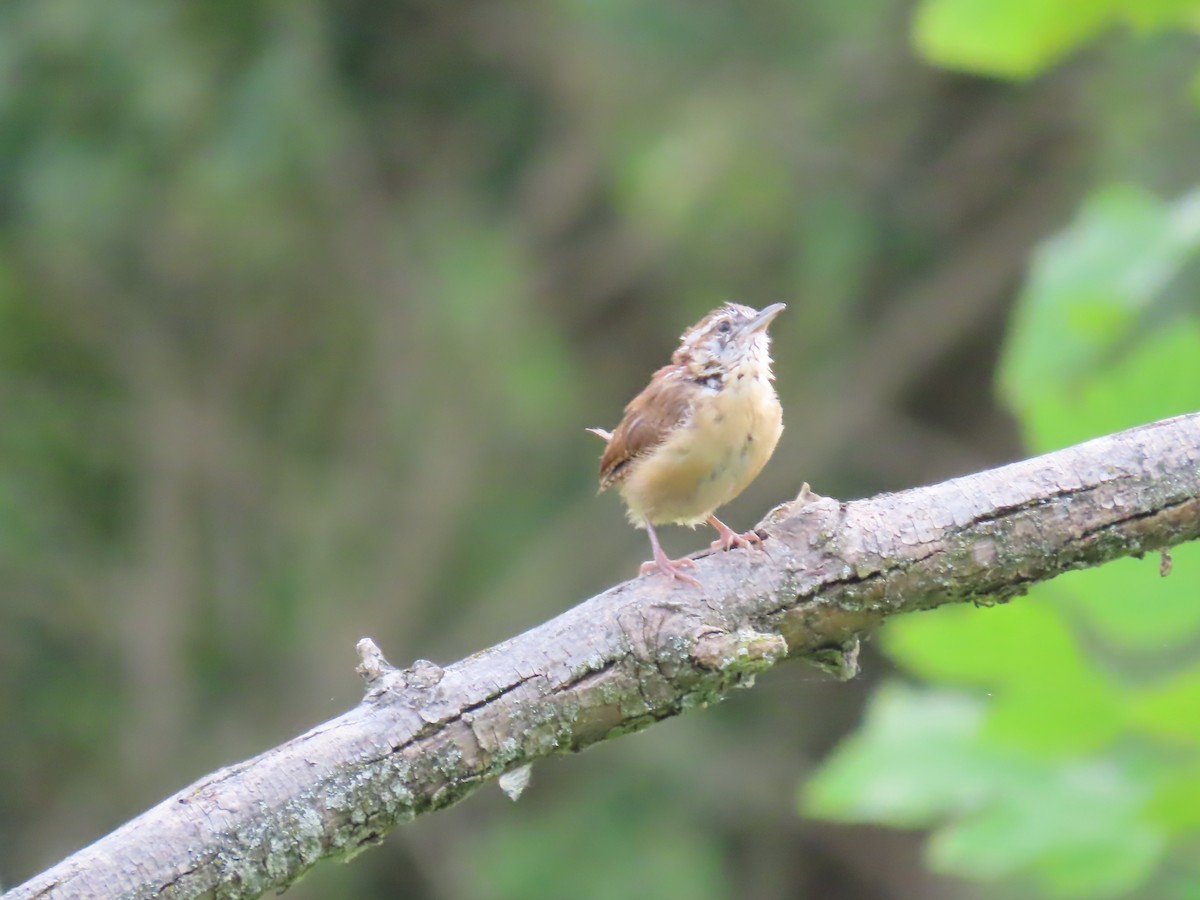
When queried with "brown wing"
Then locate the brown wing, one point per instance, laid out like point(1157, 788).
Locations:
point(649, 418)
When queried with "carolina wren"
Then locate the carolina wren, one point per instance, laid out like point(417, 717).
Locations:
point(699, 433)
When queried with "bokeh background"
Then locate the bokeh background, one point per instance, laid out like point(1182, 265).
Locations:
point(305, 306)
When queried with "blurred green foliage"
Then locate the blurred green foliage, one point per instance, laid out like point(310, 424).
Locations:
point(304, 307)
point(1059, 739)
point(581, 862)
point(1021, 38)
point(932, 758)
point(1106, 335)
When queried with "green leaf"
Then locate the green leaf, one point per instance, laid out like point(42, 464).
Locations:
point(1023, 643)
point(1171, 708)
point(1149, 15)
point(1072, 368)
point(1022, 38)
point(1088, 283)
point(1078, 826)
point(1073, 771)
point(1176, 802)
point(1058, 716)
point(1129, 605)
point(908, 763)
point(959, 644)
point(1157, 378)
point(1014, 39)
point(1048, 695)
point(922, 757)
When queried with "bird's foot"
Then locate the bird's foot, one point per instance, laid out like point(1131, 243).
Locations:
point(671, 568)
point(728, 538)
point(663, 563)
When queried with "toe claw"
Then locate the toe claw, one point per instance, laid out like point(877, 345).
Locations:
point(733, 539)
point(671, 568)
point(727, 538)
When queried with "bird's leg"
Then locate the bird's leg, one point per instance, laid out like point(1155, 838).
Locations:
point(728, 538)
point(663, 563)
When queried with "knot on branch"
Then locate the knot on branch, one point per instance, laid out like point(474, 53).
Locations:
point(381, 676)
point(372, 664)
point(840, 661)
point(742, 652)
point(423, 674)
point(809, 520)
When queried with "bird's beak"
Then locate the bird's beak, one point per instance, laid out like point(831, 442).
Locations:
point(763, 320)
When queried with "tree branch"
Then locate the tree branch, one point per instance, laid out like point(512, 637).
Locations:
point(425, 737)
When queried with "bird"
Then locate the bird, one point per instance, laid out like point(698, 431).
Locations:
point(699, 433)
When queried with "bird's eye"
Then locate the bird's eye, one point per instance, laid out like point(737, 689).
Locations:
point(725, 327)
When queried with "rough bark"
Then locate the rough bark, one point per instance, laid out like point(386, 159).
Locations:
point(424, 737)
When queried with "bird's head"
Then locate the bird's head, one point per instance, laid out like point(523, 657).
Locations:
point(726, 340)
